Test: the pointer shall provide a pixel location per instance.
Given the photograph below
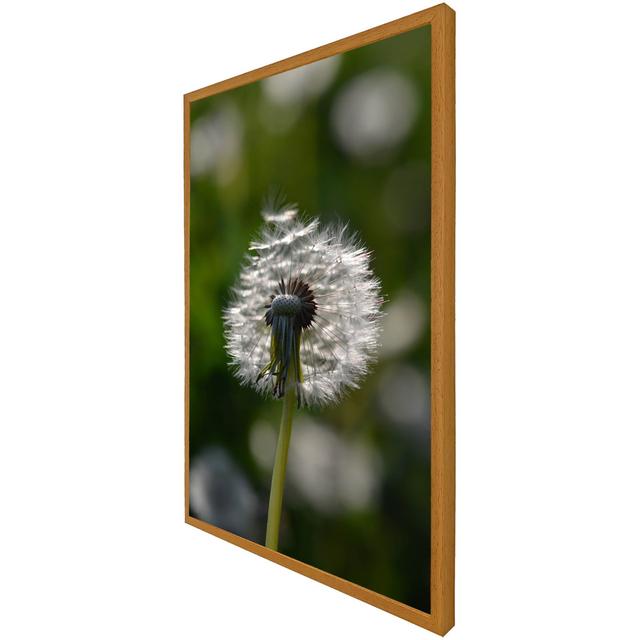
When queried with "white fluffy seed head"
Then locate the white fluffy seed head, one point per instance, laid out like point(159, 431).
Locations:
point(337, 348)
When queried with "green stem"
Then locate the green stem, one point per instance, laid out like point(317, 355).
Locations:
point(280, 468)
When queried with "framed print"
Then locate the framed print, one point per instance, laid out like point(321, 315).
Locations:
point(319, 314)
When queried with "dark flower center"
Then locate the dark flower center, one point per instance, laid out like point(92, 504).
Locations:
point(293, 300)
point(286, 305)
point(292, 309)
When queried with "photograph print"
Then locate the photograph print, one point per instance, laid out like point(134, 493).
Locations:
point(309, 315)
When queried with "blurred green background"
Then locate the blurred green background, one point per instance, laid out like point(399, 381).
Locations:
point(346, 138)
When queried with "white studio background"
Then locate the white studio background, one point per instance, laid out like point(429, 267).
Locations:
point(92, 543)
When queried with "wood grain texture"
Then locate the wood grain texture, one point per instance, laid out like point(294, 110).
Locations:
point(442, 21)
point(443, 322)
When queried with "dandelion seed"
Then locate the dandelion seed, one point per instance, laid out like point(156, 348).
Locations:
point(305, 310)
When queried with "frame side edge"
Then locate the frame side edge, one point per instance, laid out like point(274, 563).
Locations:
point(443, 316)
point(187, 202)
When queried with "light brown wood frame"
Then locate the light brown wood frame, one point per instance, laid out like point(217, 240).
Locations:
point(441, 18)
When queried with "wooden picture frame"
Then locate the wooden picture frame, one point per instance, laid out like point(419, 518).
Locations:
point(441, 20)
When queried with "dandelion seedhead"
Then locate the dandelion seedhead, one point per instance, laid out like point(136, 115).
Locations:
point(321, 327)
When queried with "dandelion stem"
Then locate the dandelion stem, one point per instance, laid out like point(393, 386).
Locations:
point(280, 468)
